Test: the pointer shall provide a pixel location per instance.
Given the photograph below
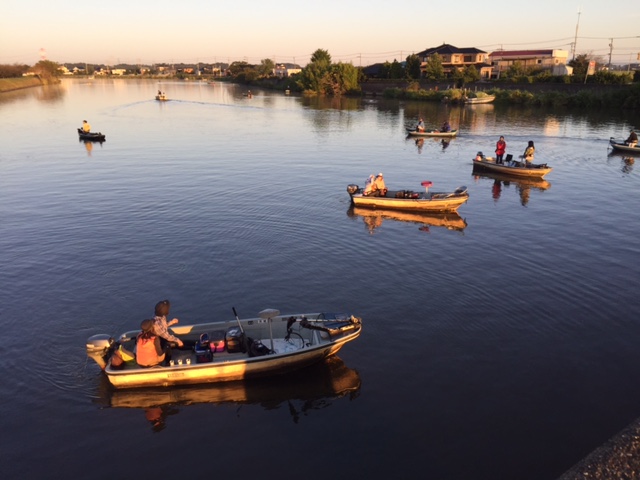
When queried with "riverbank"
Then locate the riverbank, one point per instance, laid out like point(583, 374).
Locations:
point(18, 83)
point(617, 458)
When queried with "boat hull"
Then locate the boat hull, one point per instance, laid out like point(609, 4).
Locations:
point(489, 164)
point(425, 202)
point(480, 100)
point(621, 147)
point(319, 343)
point(91, 136)
point(432, 133)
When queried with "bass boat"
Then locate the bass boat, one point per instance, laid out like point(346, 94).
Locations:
point(230, 350)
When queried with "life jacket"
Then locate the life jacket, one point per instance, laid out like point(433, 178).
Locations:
point(146, 353)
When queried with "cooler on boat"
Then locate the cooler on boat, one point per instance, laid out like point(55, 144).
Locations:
point(203, 349)
point(234, 339)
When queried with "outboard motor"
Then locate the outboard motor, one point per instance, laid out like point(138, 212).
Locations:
point(351, 189)
point(99, 348)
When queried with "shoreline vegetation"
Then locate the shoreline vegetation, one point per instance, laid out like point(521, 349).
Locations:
point(614, 96)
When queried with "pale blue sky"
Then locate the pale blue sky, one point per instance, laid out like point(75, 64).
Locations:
point(361, 32)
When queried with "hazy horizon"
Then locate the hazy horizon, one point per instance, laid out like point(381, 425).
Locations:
point(359, 32)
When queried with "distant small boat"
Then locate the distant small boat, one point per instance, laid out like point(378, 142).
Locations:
point(161, 98)
point(431, 133)
point(92, 136)
point(411, 201)
point(622, 147)
point(478, 100)
point(511, 167)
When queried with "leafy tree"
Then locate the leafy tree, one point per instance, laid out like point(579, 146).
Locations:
point(266, 67)
point(46, 68)
point(470, 74)
point(515, 70)
point(412, 67)
point(433, 69)
point(12, 71)
point(237, 67)
point(321, 56)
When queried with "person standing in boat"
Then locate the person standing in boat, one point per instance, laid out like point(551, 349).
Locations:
point(86, 128)
point(420, 127)
point(529, 152)
point(161, 326)
point(148, 350)
point(501, 147)
point(632, 141)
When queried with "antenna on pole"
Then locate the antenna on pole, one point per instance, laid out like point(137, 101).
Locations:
point(575, 40)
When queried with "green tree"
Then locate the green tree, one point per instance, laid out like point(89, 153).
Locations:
point(321, 56)
point(433, 69)
point(412, 67)
point(515, 70)
point(313, 77)
point(266, 67)
point(46, 68)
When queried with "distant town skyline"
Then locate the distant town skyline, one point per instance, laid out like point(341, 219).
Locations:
point(360, 32)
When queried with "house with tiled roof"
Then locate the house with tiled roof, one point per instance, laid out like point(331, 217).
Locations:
point(454, 58)
point(554, 61)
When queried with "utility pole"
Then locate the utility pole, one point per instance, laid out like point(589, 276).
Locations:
point(610, 52)
point(575, 40)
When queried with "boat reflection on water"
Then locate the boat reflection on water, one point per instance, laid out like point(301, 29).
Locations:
point(523, 185)
point(419, 141)
point(626, 161)
point(373, 218)
point(308, 389)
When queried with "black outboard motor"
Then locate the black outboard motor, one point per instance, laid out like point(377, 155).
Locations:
point(99, 348)
point(351, 189)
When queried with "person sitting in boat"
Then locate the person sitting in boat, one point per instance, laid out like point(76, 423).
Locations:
point(420, 127)
point(529, 152)
point(86, 128)
point(368, 185)
point(379, 187)
point(501, 147)
point(159, 93)
point(632, 141)
point(446, 127)
point(161, 326)
point(148, 350)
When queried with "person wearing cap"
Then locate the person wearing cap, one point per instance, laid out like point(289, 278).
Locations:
point(632, 141)
point(86, 128)
point(148, 350)
point(379, 187)
point(161, 325)
point(446, 127)
point(368, 185)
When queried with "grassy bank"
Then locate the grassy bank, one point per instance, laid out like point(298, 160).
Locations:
point(10, 84)
point(615, 98)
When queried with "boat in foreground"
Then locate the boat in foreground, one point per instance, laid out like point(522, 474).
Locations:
point(232, 350)
point(409, 200)
point(511, 167)
point(92, 136)
point(622, 147)
point(431, 133)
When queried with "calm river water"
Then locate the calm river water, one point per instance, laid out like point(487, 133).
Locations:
point(503, 347)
